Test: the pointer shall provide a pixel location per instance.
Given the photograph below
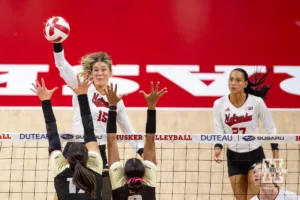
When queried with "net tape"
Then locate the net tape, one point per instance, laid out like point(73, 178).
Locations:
point(163, 137)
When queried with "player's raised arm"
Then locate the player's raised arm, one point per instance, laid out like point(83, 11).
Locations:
point(66, 70)
point(86, 117)
point(45, 96)
point(151, 98)
point(111, 129)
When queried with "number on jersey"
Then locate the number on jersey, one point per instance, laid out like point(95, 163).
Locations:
point(102, 116)
point(238, 130)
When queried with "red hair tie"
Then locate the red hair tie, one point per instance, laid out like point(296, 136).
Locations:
point(135, 180)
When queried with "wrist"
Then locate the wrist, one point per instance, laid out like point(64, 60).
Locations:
point(81, 93)
point(45, 99)
point(151, 107)
point(112, 108)
point(80, 96)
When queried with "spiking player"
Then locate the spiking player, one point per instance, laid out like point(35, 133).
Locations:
point(77, 176)
point(98, 67)
point(137, 180)
point(239, 113)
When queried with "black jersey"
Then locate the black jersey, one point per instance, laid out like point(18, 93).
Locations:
point(63, 181)
point(148, 193)
point(120, 189)
point(66, 190)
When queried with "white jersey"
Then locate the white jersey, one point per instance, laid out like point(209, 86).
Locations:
point(283, 195)
point(98, 105)
point(243, 120)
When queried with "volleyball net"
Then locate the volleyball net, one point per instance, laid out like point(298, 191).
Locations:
point(186, 166)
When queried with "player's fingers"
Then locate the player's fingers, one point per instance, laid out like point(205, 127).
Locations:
point(34, 85)
point(217, 160)
point(162, 94)
point(78, 79)
point(162, 91)
point(85, 80)
point(86, 77)
point(151, 87)
point(105, 91)
point(33, 91)
point(72, 88)
point(121, 96)
point(54, 89)
point(116, 88)
point(143, 93)
point(43, 83)
point(157, 86)
point(37, 83)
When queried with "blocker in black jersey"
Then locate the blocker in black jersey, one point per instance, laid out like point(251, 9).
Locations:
point(118, 182)
point(64, 187)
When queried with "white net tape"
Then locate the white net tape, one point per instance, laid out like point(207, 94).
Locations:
point(164, 137)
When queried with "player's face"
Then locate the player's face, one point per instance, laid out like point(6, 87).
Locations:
point(101, 74)
point(236, 82)
point(258, 175)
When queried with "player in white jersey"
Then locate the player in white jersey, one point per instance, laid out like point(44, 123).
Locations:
point(268, 189)
point(239, 113)
point(98, 66)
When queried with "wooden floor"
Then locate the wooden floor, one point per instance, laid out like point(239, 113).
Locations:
point(185, 171)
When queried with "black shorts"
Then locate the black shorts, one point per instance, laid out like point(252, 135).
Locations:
point(242, 163)
point(102, 152)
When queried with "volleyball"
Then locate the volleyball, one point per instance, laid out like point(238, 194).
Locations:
point(56, 30)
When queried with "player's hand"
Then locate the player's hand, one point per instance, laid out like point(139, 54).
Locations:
point(82, 86)
point(154, 95)
point(217, 154)
point(111, 94)
point(42, 91)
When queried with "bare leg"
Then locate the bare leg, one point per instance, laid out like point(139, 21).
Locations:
point(239, 184)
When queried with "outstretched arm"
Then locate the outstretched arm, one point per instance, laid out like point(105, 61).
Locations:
point(66, 70)
point(149, 148)
point(45, 96)
point(152, 98)
point(111, 128)
point(86, 117)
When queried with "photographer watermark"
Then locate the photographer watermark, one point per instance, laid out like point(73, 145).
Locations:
point(272, 170)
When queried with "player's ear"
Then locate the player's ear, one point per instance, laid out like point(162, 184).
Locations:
point(246, 84)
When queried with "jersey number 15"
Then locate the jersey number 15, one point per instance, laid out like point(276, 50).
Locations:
point(102, 116)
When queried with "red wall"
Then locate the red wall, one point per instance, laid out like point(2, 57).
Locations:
point(186, 33)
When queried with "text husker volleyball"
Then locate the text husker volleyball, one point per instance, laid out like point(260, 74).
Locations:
point(157, 137)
